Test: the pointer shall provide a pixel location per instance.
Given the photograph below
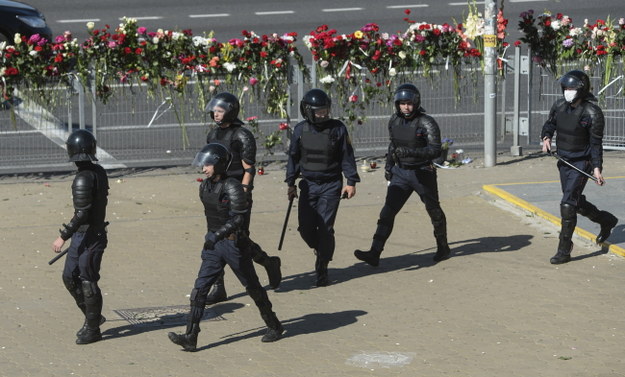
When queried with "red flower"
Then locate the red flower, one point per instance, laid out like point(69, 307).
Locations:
point(353, 98)
point(517, 43)
point(283, 126)
point(407, 11)
point(263, 54)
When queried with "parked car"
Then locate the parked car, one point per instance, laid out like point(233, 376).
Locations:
point(16, 17)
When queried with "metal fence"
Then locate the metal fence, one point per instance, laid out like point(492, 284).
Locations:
point(139, 129)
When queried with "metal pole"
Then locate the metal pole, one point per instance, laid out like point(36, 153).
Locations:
point(516, 150)
point(530, 73)
point(490, 80)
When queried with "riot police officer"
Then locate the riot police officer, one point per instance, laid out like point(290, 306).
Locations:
point(320, 151)
point(415, 142)
point(225, 206)
point(224, 110)
point(87, 232)
point(578, 124)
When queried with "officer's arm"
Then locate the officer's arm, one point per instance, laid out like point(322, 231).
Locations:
point(348, 161)
point(390, 154)
point(549, 128)
point(238, 207)
point(292, 166)
point(247, 142)
point(596, 127)
point(82, 192)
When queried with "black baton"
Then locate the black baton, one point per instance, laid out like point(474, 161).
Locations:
point(59, 256)
point(554, 154)
point(286, 222)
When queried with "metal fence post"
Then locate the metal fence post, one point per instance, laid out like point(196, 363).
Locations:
point(490, 87)
point(515, 149)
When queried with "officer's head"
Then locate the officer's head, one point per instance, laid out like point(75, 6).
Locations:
point(81, 146)
point(575, 85)
point(315, 106)
point(407, 94)
point(214, 159)
point(223, 108)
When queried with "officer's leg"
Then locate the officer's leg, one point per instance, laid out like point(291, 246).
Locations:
point(218, 290)
point(397, 194)
point(210, 269)
point(307, 215)
point(89, 262)
point(93, 313)
point(604, 218)
point(427, 188)
point(242, 267)
point(327, 208)
point(271, 264)
point(565, 245)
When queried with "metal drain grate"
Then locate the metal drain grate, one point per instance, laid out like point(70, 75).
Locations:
point(163, 315)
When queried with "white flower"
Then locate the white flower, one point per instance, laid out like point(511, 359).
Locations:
point(33, 53)
point(392, 72)
point(574, 32)
point(2, 71)
point(555, 25)
point(17, 39)
point(2, 46)
point(199, 41)
point(90, 25)
point(324, 63)
point(176, 35)
point(287, 38)
point(402, 54)
point(459, 151)
point(155, 40)
point(307, 39)
point(229, 66)
point(621, 21)
point(327, 80)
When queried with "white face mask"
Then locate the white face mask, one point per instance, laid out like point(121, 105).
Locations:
point(569, 95)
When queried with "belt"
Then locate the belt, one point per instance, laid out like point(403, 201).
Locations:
point(415, 167)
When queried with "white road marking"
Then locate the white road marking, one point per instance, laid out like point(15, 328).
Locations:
point(341, 9)
point(144, 18)
point(407, 6)
point(272, 13)
point(209, 15)
point(465, 3)
point(78, 21)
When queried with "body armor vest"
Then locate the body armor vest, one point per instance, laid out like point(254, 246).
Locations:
point(319, 150)
point(97, 212)
point(225, 138)
point(215, 210)
point(571, 136)
point(410, 135)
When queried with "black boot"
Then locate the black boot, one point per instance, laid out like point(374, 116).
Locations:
point(82, 330)
point(439, 222)
point(608, 222)
point(275, 329)
point(321, 268)
point(272, 265)
point(217, 292)
point(188, 340)
point(93, 313)
point(371, 256)
point(604, 218)
point(569, 220)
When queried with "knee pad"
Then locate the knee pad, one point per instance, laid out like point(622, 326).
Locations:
point(568, 211)
point(90, 288)
point(71, 284)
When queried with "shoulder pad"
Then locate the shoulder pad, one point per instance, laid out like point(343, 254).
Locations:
point(82, 189)
point(248, 144)
point(238, 199)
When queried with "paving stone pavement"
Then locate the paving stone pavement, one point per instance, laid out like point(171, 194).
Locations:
point(496, 308)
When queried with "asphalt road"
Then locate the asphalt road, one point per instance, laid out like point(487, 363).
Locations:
point(228, 18)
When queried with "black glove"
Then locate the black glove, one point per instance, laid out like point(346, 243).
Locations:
point(291, 192)
point(209, 242)
point(388, 175)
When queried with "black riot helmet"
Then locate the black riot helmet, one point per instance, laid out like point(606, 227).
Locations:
point(576, 80)
point(228, 102)
point(81, 146)
point(410, 93)
point(213, 154)
point(315, 100)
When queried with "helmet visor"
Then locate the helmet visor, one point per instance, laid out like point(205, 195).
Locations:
point(205, 158)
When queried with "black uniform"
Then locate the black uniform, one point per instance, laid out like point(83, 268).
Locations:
point(225, 207)
point(88, 241)
point(321, 154)
point(415, 142)
point(241, 144)
point(579, 138)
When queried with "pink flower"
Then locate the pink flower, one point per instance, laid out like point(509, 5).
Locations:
point(353, 98)
point(283, 126)
point(253, 81)
point(141, 30)
point(249, 119)
point(112, 44)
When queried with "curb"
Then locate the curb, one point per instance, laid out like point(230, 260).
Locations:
point(493, 189)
